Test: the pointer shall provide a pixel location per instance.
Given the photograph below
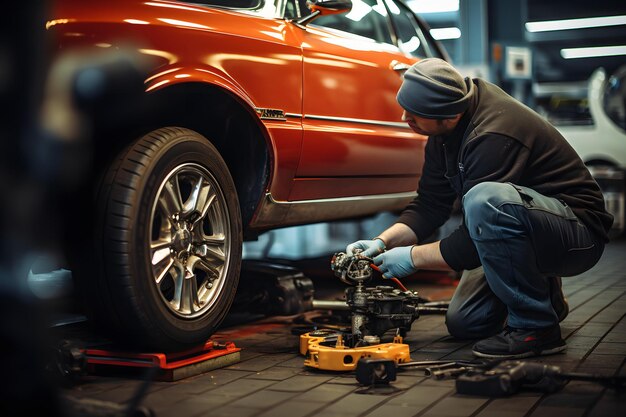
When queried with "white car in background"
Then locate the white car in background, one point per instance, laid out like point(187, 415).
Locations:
point(602, 143)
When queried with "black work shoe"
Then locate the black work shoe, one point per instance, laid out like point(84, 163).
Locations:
point(513, 343)
point(559, 302)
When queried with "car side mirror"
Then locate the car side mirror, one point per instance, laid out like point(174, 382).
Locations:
point(325, 7)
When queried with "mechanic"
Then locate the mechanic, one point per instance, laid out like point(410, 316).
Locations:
point(531, 212)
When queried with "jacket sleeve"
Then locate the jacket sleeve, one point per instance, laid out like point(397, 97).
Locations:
point(433, 204)
point(493, 158)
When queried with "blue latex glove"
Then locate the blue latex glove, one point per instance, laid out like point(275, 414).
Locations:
point(396, 262)
point(370, 248)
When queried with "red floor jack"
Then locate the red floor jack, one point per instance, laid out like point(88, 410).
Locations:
point(170, 366)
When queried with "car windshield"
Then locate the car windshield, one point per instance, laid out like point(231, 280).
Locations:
point(259, 7)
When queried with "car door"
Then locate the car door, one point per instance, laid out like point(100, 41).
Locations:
point(355, 142)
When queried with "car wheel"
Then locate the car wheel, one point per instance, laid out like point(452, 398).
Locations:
point(171, 241)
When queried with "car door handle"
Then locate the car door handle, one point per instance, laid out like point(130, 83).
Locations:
point(399, 66)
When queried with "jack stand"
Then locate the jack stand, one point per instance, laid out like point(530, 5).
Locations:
point(170, 366)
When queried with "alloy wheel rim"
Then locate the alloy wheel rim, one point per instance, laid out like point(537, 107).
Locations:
point(189, 240)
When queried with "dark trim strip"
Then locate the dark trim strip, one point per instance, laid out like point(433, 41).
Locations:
point(362, 121)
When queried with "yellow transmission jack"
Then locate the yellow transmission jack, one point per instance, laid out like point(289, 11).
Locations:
point(326, 350)
point(375, 310)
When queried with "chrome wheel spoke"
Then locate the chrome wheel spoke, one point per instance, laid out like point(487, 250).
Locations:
point(212, 248)
point(210, 268)
point(208, 201)
point(179, 280)
point(189, 302)
point(185, 299)
point(215, 252)
point(159, 249)
point(214, 240)
point(162, 259)
point(199, 200)
point(160, 255)
point(164, 272)
point(170, 200)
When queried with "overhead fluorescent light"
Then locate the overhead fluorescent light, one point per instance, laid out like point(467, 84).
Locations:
point(591, 52)
point(430, 6)
point(588, 22)
point(446, 33)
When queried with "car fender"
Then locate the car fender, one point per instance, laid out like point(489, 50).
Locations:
point(175, 75)
point(178, 75)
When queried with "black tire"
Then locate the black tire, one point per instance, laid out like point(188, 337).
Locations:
point(136, 211)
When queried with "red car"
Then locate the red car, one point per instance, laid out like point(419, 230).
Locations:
point(262, 115)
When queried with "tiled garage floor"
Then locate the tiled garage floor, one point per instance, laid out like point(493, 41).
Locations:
point(270, 380)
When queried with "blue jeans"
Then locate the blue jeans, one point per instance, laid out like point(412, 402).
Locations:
point(521, 237)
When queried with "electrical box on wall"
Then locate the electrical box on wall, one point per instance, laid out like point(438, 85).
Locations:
point(518, 63)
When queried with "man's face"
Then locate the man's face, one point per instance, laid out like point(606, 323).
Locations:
point(430, 127)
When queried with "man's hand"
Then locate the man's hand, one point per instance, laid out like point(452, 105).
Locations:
point(396, 262)
point(370, 248)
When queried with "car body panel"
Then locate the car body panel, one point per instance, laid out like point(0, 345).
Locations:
point(352, 124)
point(341, 135)
point(602, 141)
point(262, 52)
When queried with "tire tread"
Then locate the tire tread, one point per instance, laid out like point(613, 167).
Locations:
point(118, 199)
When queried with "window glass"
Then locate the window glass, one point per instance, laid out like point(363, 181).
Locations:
point(564, 110)
point(614, 100)
point(295, 9)
point(408, 40)
point(368, 18)
point(413, 33)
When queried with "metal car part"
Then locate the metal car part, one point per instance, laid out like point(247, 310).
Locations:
point(374, 309)
point(190, 252)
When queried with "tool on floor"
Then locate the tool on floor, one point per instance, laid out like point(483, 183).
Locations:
point(509, 377)
point(370, 371)
point(67, 362)
point(374, 311)
point(483, 378)
point(273, 289)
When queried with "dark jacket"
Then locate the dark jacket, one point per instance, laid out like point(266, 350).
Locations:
point(500, 140)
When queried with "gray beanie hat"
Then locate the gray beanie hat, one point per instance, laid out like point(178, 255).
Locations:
point(433, 89)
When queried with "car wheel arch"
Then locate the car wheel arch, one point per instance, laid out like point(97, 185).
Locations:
point(229, 123)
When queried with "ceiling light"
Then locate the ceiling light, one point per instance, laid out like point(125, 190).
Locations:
point(430, 6)
point(591, 52)
point(588, 22)
point(446, 33)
